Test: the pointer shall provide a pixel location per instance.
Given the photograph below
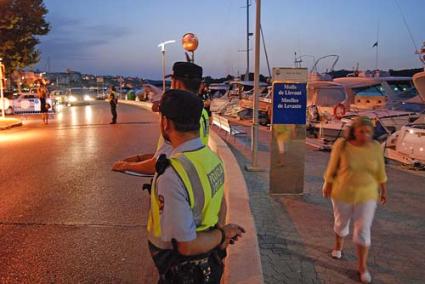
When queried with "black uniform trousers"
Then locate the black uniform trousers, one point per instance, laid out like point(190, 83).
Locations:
point(114, 113)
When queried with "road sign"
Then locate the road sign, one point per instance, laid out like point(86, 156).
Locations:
point(286, 74)
point(289, 103)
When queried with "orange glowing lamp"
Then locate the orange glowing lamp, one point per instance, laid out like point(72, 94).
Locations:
point(190, 42)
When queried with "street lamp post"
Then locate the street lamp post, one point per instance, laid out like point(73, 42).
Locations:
point(190, 44)
point(254, 139)
point(162, 46)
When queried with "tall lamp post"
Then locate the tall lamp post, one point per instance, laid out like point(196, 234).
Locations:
point(162, 46)
point(190, 44)
point(254, 139)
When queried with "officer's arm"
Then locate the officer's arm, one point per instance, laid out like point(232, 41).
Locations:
point(204, 242)
point(139, 158)
point(144, 167)
point(177, 220)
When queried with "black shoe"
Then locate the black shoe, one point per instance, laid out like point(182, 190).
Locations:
point(113, 122)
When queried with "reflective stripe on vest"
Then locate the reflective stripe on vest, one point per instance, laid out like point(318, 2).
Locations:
point(202, 174)
point(195, 187)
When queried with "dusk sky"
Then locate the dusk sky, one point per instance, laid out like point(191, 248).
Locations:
point(121, 37)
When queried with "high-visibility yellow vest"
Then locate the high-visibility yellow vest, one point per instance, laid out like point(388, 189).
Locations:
point(204, 130)
point(202, 174)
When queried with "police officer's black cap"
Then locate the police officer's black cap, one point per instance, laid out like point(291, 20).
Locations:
point(186, 70)
point(183, 108)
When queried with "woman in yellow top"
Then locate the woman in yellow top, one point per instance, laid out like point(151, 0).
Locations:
point(355, 180)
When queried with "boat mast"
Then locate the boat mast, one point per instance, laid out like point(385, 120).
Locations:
point(248, 34)
point(377, 49)
point(265, 51)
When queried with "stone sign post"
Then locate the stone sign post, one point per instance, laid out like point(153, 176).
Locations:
point(288, 130)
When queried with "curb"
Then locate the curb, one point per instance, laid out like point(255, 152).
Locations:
point(243, 263)
point(145, 105)
point(13, 124)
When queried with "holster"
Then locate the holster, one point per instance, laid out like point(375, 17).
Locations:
point(175, 268)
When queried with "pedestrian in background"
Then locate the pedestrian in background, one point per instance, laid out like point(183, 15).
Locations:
point(205, 95)
point(113, 101)
point(42, 96)
point(355, 180)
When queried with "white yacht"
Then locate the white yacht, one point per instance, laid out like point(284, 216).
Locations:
point(230, 103)
point(377, 89)
point(217, 90)
point(407, 145)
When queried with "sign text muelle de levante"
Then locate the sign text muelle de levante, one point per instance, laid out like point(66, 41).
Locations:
point(289, 103)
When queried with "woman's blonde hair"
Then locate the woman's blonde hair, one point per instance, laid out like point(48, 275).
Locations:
point(359, 121)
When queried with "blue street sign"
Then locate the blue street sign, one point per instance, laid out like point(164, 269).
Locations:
point(289, 103)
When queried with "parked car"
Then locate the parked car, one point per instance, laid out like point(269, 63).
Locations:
point(25, 103)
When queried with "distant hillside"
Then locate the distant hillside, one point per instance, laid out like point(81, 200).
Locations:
point(398, 73)
point(405, 72)
point(340, 73)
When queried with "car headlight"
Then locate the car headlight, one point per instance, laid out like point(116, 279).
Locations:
point(87, 98)
point(72, 99)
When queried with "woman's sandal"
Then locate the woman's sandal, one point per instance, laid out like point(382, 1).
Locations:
point(337, 254)
point(365, 277)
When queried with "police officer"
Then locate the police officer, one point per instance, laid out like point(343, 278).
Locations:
point(113, 101)
point(185, 228)
point(186, 76)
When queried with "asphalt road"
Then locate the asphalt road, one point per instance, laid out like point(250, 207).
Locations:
point(64, 216)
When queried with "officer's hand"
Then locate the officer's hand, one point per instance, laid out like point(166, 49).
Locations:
point(120, 166)
point(232, 233)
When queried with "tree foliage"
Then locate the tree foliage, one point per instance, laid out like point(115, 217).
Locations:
point(21, 22)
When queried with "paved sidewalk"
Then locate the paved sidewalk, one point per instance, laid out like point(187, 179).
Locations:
point(6, 123)
point(295, 233)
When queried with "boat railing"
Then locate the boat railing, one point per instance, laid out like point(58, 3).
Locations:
point(314, 69)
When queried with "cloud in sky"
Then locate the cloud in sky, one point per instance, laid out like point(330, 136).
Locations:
point(73, 43)
point(121, 37)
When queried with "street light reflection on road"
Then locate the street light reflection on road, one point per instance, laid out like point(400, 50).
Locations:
point(19, 136)
point(74, 116)
point(88, 111)
point(59, 116)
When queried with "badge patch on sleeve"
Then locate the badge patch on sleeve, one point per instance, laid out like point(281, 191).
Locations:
point(161, 203)
point(216, 178)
